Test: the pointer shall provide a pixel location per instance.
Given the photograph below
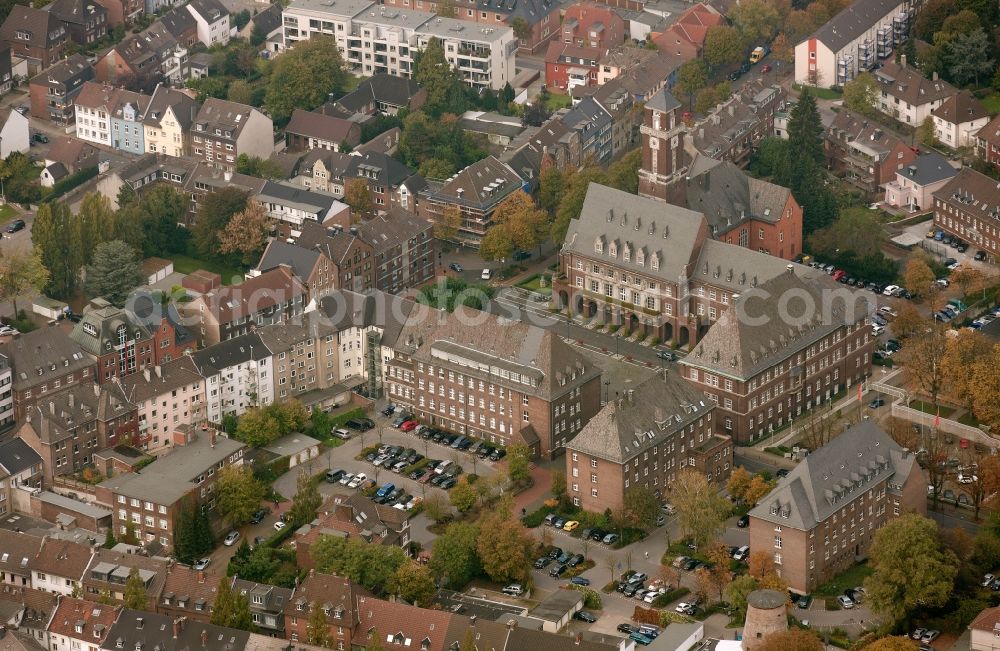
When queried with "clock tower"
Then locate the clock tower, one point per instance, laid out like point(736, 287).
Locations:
point(662, 146)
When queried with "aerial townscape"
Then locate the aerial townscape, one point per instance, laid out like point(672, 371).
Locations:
point(499, 325)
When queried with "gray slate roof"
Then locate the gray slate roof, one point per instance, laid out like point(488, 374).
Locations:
point(742, 348)
point(42, 355)
point(837, 473)
point(346, 309)
point(230, 352)
point(387, 89)
point(852, 22)
point(727, 196)
point(929, 167)
point(663, 101)
point(657, 409)
point(16, 456)
point(300, 259)
point(667, 232)
point(156, 631)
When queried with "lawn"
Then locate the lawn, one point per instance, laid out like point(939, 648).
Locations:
point(851, 578)
point(534, 284)
point(968, 419)
point(992, 103)
point(821, 93)
point(185, 264)
point(7, 213)
point(928, 408)
point(557, 101)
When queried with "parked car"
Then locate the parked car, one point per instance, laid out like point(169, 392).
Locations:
point(41, 137)
point(357, 480)
point(845, 602)
point(876, 403)
point(231, 538)
point(571, 525)
point(585, 616)
point(804, 601)
point(346, 479)
point(448, 483)
point(930, 636)
point(580, 580)
point(542, 562)
point(279, 525)
point(558, 570)
point(610, 539)
point(743, 522)
point(15, 226)
point(918, 633)
point(626, 628)
point(454, 266)
point(686, 608)
point(576, 560)
point(636, 636)
point(485, 275)
point(201, 563)
point(514, 590)
point(260, 514)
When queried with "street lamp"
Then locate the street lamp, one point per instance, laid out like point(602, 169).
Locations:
point(607, 385)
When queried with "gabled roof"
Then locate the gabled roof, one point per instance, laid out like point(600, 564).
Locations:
point(379, 167)
point(223, 119)
point(727, 196)
point(179, 23)
point(909, 85)
point(162, 379)
point(189, 589)
point(740, 348)
point(211, 10)
point(960, 108)
point(184, 107)
point(57, 416)
point(300, 259)
point(333, 593)
point(18, 552)
point(83, 620)
point(97, 330)
point(692, 25)
point(484, 183)
point(75, 11)
point(852, 22)
point(837, 473)
point(17, 456)
point(271, 288)
point(380, 89)
point(154, 631)
point(65, 72)
point(929, 167)
point(231, 352)
point(648, 414)
point(988, 620)
point(40, 355)
point(43, 28)
point(62, 558)
point(345, 309)
point(322, 127)
point(268, 20)
point(398, 625)
point(587, 116)
point(72, 152)
point(973, 193)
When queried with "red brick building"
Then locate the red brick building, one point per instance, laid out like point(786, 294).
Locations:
point(125, 341)
point(645, 437)
point(44, 362)
point(686, 36)
point(487, 377)
point(588, 31)
point(864, 153)
point(987, 142)
point(337, 597)
point(968, 206)
point(821, 519)
point(36, 35)
point(807, 341)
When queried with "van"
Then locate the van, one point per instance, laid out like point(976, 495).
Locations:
point(441, 467)
point(648, 630)
point(742, 553)
point(758, 53)
point(385, 490)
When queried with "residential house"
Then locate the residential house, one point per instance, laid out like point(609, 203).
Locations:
point(987, 142)
point(645, 437)
point(226, 312)
point(403, 249)
point(93, 107)
point(668, 277)
point(381, 94)
point(124, 341)
point(538, 148)
point(223, 130)
point(267, 604)
point(367, 325)
point(126, 122)
point(355, 516)
point(864, 153)
point(17, 552)
point(213, 21)
point(336, 596)
point(476, 191)
point(67, 156)
point(32, 617)
point(139, 629)
point(763, 372)
point(122, 12)
point(109, 570)
point(166, 396)
point(587, 33)
point(595, 126)
point(6, 392)
point(266, 25)
point(310, 130)
point(152, 500)
point(294, 205)
point(734, 129)
point(189, 593)
point(304, 358)
point(6, 70)
point(35, 35)
point(499, 129)
point(60, 565)
point(78, 624)
point(66, 428)
point(181, 24)
point(685, 38)
point(984, 630)
point(20, 472)
point(54, 91)
point(351, 256)
point(968, 207)
point(14, 132)
point(916, 183)
point(855, 40)
point(167, 121)
point(42, 362)
point(389, 182)
point(741, 209)
point(904, 93)
point(532, 388)
point(237, 376)
point(85, 20)
point(309, 264)
point(205, 178)
point(958, 119)
point(142, 61)
point(863, 478)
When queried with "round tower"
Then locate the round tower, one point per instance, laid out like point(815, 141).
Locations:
point(765, 615)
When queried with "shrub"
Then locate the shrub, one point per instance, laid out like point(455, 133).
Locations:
point(63, 186)
point(535, 518)
point(646, 616)
point(672, 595)
point(591, 598)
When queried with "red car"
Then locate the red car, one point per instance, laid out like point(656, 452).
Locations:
point(409, 426)
point(838, 274)
point(766, 68)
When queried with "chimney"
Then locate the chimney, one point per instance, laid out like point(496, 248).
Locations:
point(934, 76)
point(579, 638)
point(158, 371)
point(204, 638)
point(178, 626)
point(52, 408)
point(72, 400)
point(211, 437)
point(201, 576)
point(145, 374)
point(902, 60)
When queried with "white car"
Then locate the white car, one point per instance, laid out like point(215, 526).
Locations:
point(652, 595)
point(359, 479)
point(885, 309)
point(877, 329)
point(201, 564)
point(685, 608)
point(967, 478)
point(888, 291)
point(942, 282)
point(486, 274)
point(279, 525)
point(987, 579)
point(346, 479)
point(7, 330)
point(845, 602)
point(231, 538)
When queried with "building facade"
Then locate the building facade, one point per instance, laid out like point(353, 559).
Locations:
point(968, 206)
point(237, 376)
point(223, 130)
point(54, 91)
point(165, 397)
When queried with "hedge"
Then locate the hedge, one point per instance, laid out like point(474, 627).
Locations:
point(591, 599)
point(66, 184)
point(348, 415)
point(535, 518)
point(665, 598)
point(267, 473)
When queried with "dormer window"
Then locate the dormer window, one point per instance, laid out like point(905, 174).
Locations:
point(627, 253)
point(612, 250)
point(598, 246)
point(656, 262)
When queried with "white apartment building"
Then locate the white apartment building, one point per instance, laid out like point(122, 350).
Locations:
point(294, 205)
point(377, 39)
point(905, 94)
point(237, 376)
point(6, 391)
point(212, 18)
point(854, 40)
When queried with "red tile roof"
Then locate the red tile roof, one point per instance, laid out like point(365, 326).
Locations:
point(401, 626)
point(986, 620)
point(83, 620)
point(255, 294)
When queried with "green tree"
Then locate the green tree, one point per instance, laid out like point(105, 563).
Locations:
point(910, 570)
point(155, 215)
point(463, 495)
point(204, 540)
point(931, 18)
point(222, 608)
point(701, 510)
point(805, 129)
point(518, 463)
point(304, 77)
point(571, 204)
point(306, 502)
point(240, 92)
point(135, 596)
point(454, 559)
point(623, 174)
point(241, 618)
point(447, 223)
point(214, 212)
point(412, 582)
point(856, 230)
point(374, 643)
point(115, 271)
point(290, 415)
point(109, 539)
point(257, 427)
point(968, 58)
point(641, 507)
point(59, 252)
point(738, 591)
point(559, 487)
point(551, 186)
point(238, 494)
point(21, 271)
point(692, 76)
point(756, 20)
point(263, 168)
point(504, 548)
point(130, 538)
point(317, 628)
point(445, 92)
point(724, 45)
point(927, 133)
point(517, 224)
point(522, 30)
point(358, 197)
point(860, 94)
point(246, 233)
